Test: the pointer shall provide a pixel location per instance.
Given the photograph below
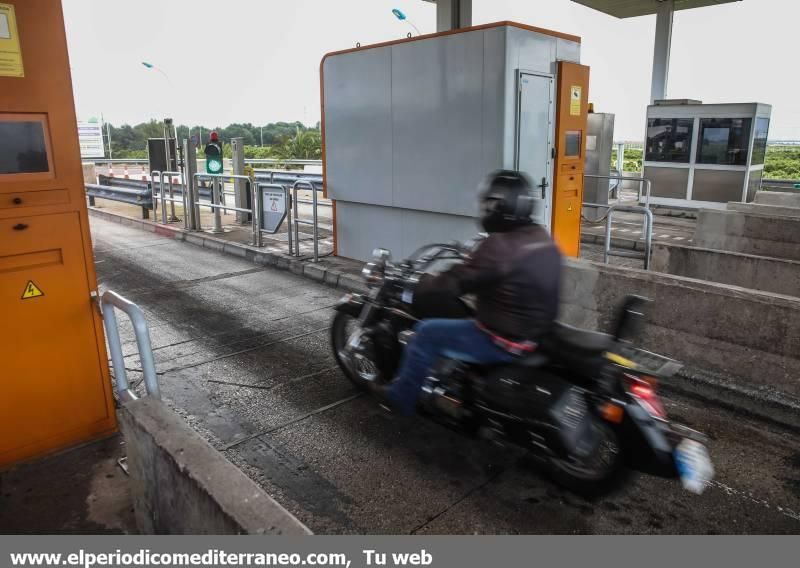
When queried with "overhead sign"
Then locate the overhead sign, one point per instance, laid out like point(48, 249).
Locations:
point(273, 210)
point(31, 291)
point(90, 137)
point(10, 52)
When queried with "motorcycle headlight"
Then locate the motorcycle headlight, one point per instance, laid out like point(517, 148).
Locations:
point(373, 274)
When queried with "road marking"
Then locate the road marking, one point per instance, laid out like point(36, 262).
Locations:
point(624, 230)
point(293, 420)
point(748, 496)
point(678, 238)
point(663, 236)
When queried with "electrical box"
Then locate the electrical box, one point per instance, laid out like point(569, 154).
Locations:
point(54, 377)
point(599, 145)
point(411, 128)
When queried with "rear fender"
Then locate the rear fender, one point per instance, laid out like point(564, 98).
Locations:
point(648, 447)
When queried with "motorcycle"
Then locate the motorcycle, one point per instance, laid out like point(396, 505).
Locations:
point(578, 403)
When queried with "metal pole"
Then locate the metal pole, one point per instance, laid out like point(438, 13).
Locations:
point(290, 205)
point(153, 195)
point(258, 212)
point(163, 199)
point(296, 223)
point(189, 194)
point(173, 217)
point(108, 135)
point(316, 229)
point(215, 194)
point(240, 189)
point(255, 216)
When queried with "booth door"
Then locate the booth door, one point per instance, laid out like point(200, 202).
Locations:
point(534, 139)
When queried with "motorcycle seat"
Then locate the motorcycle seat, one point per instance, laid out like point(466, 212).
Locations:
point(579, 342)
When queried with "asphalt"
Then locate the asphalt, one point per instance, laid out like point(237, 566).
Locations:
point(243, 355)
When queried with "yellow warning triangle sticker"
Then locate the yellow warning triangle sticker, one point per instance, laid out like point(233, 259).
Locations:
point(31, 291)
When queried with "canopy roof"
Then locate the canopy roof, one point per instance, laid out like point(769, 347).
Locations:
point(633, 8)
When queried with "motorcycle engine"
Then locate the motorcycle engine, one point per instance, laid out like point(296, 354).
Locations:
point(442, 391)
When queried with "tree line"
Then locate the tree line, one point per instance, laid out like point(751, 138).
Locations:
point(281, 140)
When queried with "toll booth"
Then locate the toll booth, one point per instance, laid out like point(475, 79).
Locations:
point(411, 127)
point(55, 390)
point(704, 155)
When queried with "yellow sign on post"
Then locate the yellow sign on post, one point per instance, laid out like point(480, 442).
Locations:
point(10, 51)
point(575, 100)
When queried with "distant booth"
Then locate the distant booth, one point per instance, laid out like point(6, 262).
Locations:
point(411, 127)
point(705, 155)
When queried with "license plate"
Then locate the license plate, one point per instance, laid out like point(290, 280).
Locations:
point(694, 465)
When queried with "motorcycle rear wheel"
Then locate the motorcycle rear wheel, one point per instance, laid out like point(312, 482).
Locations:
point(595, 475)
point(358, 365)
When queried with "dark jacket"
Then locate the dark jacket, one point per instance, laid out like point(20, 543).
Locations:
point(516, 277)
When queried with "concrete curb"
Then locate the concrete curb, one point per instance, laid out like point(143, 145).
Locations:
point(322, 271)
point(617, 243)
point(181, 485)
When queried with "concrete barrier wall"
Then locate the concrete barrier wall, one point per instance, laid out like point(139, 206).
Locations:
point(769, 210)
point(748, 233)
point(748, 271)
point(181, 485)
point(752, 336)
point(779, 198)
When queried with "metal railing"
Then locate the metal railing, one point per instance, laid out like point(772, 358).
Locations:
point(647, 225)
point(217, 205)
point(314, 223)
point(125, 191)
point(109, 303)
point(171, 199)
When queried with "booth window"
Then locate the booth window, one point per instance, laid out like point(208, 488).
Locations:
point(724, 141)
point(669, 139)
point(760, 141)
point(573, 144)
point(23, 147)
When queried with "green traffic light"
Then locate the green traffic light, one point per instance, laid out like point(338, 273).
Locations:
point(214, 166)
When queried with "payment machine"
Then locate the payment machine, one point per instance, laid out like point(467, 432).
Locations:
point(55, 390)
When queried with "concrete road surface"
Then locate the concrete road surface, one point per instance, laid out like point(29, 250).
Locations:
point(243, 356)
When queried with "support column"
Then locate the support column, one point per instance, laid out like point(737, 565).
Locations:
point(241, 198)
point(663, 45)
point(453, 14)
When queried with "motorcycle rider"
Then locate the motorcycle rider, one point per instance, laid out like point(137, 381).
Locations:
point(515, 276)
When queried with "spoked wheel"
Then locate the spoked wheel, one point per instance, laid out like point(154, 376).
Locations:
point(353, 350)
point(596, 473)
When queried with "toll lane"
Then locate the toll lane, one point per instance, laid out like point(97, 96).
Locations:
point(243, 356)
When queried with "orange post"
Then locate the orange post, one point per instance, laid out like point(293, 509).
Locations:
point(571, 109)
point(55, 390)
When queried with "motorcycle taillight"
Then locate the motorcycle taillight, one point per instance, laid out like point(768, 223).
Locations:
point(643, 389)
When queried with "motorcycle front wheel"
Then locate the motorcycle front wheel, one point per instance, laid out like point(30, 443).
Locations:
point(353, 350)
point(597, 473)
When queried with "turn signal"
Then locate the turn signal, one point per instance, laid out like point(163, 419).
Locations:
point(612, 413)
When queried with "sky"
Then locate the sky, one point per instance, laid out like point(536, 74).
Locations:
point(258, 60)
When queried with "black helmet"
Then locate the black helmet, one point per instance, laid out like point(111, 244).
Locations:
point(506, 201)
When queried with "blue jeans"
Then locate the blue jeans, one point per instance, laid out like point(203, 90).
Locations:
point(459, 339)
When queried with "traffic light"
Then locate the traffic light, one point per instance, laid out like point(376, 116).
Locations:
point(213, 155)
